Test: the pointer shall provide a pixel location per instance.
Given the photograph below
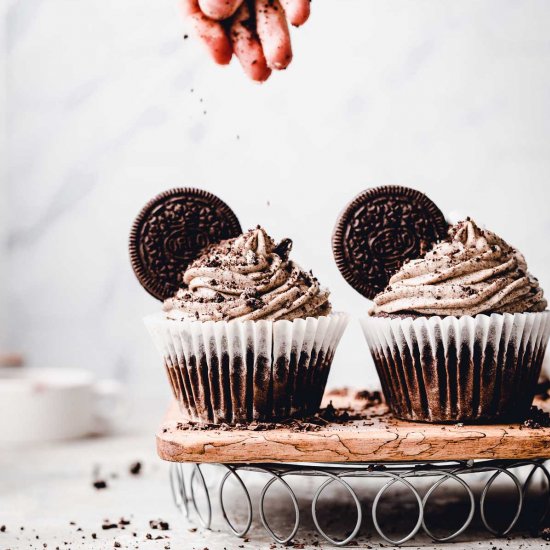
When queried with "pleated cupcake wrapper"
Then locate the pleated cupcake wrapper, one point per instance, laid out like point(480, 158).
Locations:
point(470, 369)
point(232, 372)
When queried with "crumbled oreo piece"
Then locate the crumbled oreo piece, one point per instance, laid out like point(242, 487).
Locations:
point(537, 419)
point(283, 249)
point(371, 398)
point(135, 468)
point(159, 524)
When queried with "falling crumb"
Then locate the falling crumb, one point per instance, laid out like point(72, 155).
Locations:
point(100, 484)
point(185, 36)
point(135, 468)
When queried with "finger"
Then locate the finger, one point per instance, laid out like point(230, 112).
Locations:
point(219, 9)
point(297, 11)
point(273, 32)
point(246, 45)
point(210, 32)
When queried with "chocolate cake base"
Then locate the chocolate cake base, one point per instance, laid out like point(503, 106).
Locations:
point(481, 369)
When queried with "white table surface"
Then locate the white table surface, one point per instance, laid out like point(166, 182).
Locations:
point(45, 488)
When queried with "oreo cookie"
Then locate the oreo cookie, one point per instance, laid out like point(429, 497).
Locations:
point(171, 231)
point(379, 230)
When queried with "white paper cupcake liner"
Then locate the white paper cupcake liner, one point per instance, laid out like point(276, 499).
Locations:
point(232, 372)
point(466, 369)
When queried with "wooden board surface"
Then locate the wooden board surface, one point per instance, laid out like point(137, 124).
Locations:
point(376, 437)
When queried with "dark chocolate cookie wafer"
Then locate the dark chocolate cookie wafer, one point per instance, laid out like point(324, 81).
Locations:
point(380, 229)
point(171, 231)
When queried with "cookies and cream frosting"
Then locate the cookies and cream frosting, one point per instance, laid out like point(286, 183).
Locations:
point(249, 277)
point(473, 271)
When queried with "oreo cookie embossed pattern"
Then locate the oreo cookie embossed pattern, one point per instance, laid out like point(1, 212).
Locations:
point(171, 231)
point(379, 230)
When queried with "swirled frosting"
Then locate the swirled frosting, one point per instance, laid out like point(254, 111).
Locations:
point(473, 271)
point(250, 277)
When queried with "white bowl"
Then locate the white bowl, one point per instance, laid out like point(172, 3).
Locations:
point(46, 404)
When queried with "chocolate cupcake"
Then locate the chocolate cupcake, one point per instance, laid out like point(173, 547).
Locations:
point(459, 335)
point(249, 336)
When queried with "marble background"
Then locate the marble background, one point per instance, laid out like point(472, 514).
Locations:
point(107, 105)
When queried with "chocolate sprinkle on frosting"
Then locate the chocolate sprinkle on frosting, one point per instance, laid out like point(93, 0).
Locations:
point(473, 271)
point(248, 278)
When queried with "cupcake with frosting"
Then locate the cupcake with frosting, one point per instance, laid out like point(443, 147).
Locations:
point(460, 334)
point(250, 336)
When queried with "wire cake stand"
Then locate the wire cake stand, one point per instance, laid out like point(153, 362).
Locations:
point(374, 451)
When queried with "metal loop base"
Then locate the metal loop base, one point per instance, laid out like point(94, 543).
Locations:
point(474, 480)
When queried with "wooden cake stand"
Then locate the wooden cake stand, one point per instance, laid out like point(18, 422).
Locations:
point(371, 445)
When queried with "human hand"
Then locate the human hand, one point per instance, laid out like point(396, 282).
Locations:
point(255, 30)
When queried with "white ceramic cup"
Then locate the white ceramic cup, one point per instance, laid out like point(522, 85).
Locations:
point(47, 404)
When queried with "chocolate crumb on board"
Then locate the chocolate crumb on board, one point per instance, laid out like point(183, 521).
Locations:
point(327, 415)
point(2, 529)
point(536, 419)
point(371, 397)
point(100, 484)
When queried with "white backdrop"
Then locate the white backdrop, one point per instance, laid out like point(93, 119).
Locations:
point(108, 105)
